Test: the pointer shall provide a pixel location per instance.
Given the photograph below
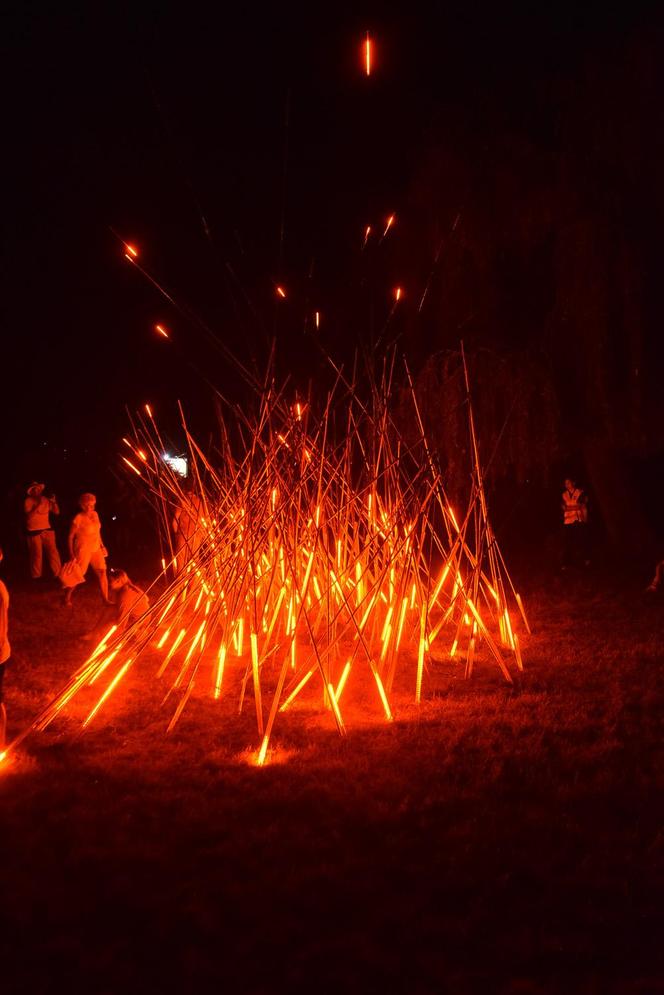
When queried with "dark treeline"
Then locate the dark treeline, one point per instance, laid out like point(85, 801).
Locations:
point(536, 237)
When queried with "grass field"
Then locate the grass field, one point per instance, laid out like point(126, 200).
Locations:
point(495, 840)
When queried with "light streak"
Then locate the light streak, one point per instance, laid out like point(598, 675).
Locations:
point(388, 224)
point(131, 465)
point(162, 331)
point(172, 651)
point(383, 696)
point(108, 692)
point(253, 639)
point(335, 708)
point(260, 760)
point(367, 54)
point(220, 670)
point(397, 294)
point(305, 680)
point(342, 680)
point(420, 653)
point(523, 613)
point(281, 292)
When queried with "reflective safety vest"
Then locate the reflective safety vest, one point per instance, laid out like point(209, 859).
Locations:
point(574, 506)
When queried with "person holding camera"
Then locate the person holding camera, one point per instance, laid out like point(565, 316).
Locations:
point(38, 508)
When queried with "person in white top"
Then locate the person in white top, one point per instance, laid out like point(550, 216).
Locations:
point(86, 546)
point(5, 654)
point(40, 535)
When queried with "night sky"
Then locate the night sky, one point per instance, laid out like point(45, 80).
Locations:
point(194, 134)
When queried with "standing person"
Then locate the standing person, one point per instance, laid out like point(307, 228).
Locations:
point(86, 546)
point(574, 507)
point(5, 654)
point(187, 526)
point(41, 537)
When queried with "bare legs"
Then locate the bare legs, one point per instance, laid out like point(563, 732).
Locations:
point(102, 577)
point(102, 580)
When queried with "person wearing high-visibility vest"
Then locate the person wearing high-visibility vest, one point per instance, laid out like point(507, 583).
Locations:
point(574, 507)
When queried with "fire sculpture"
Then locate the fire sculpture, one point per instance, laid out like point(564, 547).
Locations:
point(324, 546)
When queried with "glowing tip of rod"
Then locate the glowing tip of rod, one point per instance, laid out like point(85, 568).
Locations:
point(148, 410)
point(281, 292)
point(262, 753)
point(161, 330)
point(3, 756)
point(131, 252)
point(367, 54)
point(397, 293)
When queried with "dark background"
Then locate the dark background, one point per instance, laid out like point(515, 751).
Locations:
point(244, 149)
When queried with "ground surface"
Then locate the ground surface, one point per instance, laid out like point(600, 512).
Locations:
point(493, 841)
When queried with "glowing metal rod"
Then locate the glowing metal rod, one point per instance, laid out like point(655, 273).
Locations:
point(335, 708)
point(257, 683)
point(307, 677)
point(220, 670)
point(109, 690)
point(131, 465)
